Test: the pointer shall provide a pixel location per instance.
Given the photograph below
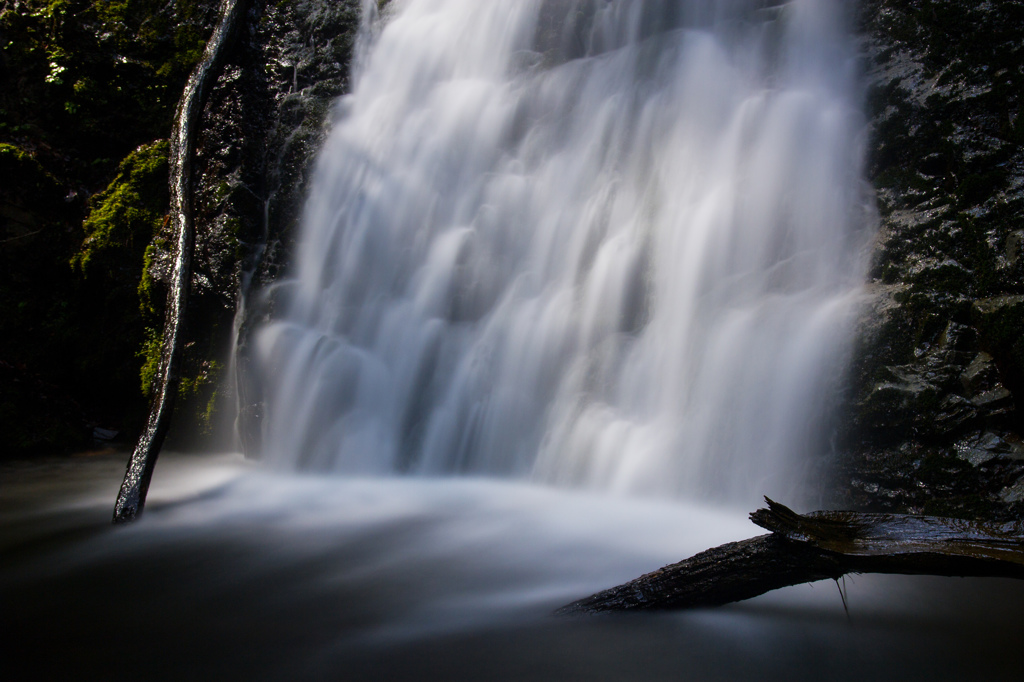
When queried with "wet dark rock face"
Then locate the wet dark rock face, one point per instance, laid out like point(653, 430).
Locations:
point(933, 421)
point(263, 123)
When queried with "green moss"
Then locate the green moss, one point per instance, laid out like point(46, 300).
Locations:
point(209, 413)
point(146, 290)
point(199, 391)
point(208, 374)
point(125, 216)
point(83, 84)
point(31, 178)
point(233, 227)
point(223, 190)
point(150, 354)
point(196, 387)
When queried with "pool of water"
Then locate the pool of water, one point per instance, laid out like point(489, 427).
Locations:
point(238, 573)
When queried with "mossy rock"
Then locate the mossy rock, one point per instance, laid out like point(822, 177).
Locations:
point(125, 216)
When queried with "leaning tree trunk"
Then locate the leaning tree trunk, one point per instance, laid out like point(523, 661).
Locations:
point(804, 548)
point(132, 496)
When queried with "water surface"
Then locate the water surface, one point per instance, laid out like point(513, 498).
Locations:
point(240, 574)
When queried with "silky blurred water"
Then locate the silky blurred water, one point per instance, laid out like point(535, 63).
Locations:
point(237, 573)
point(612, 245)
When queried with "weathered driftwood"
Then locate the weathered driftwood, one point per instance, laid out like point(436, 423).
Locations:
point(804, 548)
point(132, 496)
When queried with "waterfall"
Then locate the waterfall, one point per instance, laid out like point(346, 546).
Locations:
point(601, 243)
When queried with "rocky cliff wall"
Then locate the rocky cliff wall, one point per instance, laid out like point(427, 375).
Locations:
point(933, 422)
point(262, 126)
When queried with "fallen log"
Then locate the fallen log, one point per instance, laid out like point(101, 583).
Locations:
point(824, 545)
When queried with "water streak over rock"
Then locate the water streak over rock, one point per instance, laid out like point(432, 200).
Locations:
point(607, 244)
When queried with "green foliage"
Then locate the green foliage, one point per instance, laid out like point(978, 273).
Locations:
point(148, 305)
point(29, 190)
point(150, 353)
point(96, 77)
point(17, 163)
point(126, 215)
point(199, 390)
point(84, 83)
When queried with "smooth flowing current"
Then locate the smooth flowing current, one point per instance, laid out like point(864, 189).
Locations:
point(239, 574)
point(573, 289)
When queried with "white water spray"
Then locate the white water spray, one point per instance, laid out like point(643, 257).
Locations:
point(605, 243)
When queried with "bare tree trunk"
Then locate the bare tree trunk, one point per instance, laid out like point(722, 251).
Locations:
point(132, 496)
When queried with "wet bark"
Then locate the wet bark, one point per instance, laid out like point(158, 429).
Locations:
point(132, 496)
point(803, 548)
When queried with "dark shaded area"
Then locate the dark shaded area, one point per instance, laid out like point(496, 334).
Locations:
point(82, 85)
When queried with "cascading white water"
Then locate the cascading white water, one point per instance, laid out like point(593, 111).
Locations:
point(607, 243)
